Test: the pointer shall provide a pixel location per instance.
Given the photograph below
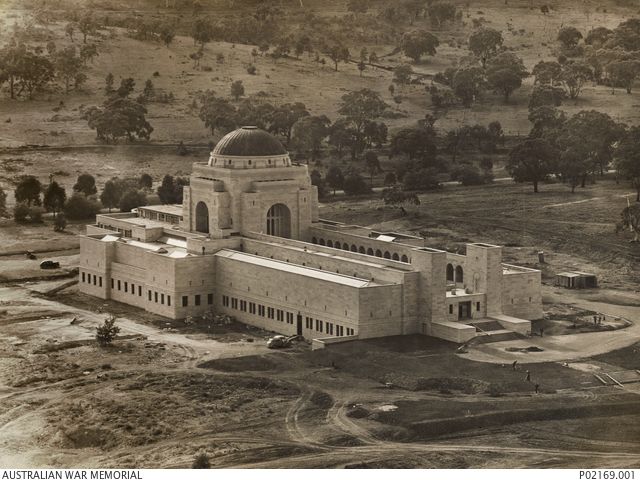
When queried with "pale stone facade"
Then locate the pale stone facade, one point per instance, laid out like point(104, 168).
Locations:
point(247, 241)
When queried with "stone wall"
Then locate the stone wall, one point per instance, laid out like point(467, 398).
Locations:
point(357, 265)
point(483, 274)
point(522, 294)
point(431, 264)
point(248, 195)
point(453, 331)
point(311, 297)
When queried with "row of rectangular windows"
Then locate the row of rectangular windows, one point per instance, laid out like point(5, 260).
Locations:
point(260, 310)
point(155, 296)
point(128, 287)
point(96, 280)
point(197, 300)
point(328, 327)
point(126, 233)
point(281, 316)
point(236, 304)
point(174, 219)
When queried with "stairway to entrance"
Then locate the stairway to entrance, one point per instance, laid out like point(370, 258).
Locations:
point(490, 330)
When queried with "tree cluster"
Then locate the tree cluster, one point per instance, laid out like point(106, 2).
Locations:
point(125, 193)
point(608, 56)
point(142, 28)
point(171, 189)
point(419, 43)
point(571, 148)
point(120, 116)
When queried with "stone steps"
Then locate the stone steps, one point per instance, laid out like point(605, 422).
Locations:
point(496, 336)
point(486, 325)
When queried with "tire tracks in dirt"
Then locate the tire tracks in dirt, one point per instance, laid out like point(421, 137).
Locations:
point(338, 417)
point(293, 424)
point(352, 454)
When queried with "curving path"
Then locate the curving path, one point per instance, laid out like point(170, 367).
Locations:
point(567, 347)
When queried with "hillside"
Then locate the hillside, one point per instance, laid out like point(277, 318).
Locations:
point(527, 32)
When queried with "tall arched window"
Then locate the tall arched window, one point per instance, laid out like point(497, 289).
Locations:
point(370, 251)
point(321, 242)
point(362, 250)
point(202, 217)
point(459, 277)
point(378, 253)
point(279, 221)
point(387, 255)
point(404, 259)
point(314, 240)
point(449, 272)
point(395, 257)
point(354, 248)
point(330, 243)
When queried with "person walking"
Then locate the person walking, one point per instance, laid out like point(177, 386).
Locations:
point(537, 387)
point(528, 376)
point(513, 365)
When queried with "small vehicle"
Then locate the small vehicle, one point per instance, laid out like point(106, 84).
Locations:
point(280, 341)
point(30, 256)
point(49, 264)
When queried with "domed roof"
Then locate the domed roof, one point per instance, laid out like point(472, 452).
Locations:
point(249, 142)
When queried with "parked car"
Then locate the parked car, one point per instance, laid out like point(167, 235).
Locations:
point(49, 264)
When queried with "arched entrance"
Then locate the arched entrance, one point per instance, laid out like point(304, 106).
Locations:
point(202, 218)
point(279, 221)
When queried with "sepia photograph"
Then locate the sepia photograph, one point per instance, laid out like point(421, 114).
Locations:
point(319, 234)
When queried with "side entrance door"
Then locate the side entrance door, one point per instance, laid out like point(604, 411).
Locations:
point(464, 310)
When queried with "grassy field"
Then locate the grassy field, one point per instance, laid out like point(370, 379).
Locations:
point(527, 32)
point(576, 231)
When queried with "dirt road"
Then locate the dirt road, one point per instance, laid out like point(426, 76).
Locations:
point(560, 348)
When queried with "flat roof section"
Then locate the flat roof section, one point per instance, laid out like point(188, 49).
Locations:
point(360, 231)
point(171, 248)
point(174, 209)
point(312, 249)
point(296, 269)
point(575, 274)
point(109, 238)
point(137, 222)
